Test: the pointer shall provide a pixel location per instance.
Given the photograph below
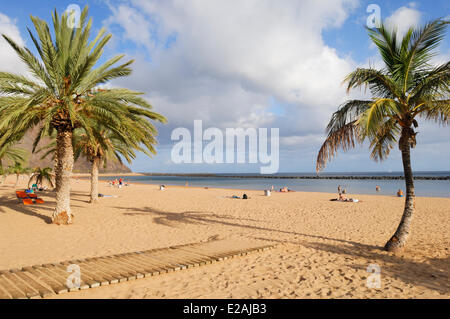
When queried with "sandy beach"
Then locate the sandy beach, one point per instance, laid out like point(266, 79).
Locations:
point(324, 247)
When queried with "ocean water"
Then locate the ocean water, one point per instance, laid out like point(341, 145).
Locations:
point(427, 188)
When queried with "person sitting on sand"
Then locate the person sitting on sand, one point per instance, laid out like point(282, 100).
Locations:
point(284, 190)
point(400, 193)
point(339, 190)
point(342, 198)
point(244, 196)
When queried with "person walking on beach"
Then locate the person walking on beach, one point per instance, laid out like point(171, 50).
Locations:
point(339, 190)
point(377, 188)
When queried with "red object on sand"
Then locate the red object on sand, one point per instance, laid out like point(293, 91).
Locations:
point(27, 201)
point(21, 194)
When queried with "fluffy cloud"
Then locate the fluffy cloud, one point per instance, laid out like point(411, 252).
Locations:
point(226, 62)
point(230, 58)
point(9, 61)
point(404, 18)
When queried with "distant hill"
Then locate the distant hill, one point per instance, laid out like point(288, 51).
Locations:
point(81, 166)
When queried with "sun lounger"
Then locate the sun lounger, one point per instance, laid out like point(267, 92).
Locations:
point(21, 194)
point(27, 201)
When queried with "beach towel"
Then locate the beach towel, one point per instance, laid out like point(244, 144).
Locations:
point(102, 195)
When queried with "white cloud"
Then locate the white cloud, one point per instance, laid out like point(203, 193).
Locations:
point(9, 61)
point(136, 27)
point(404, 18)
point(231, 57)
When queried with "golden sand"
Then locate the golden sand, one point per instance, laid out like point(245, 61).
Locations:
point(324, 247)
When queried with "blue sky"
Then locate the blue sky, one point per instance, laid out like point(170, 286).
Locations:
point(262, 64)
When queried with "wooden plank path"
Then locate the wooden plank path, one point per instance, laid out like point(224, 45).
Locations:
point(48, 279)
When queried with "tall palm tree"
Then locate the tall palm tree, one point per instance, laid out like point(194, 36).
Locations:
point(105, 146)
point(63, 93)
point(41, 176)
point(407, 88)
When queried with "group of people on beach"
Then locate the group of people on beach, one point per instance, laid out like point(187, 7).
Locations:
point(282, 190)
point(118, 182)
point(342, 192)
point(342, 198)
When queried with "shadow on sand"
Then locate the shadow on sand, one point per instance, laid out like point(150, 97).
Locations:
point(15, 205)
point(191, 217)
point(12, 203)
point(431, 273)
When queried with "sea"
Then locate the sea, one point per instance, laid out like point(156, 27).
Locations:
point(425, 188)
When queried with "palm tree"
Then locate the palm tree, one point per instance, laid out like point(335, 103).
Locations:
point(18, 170)
point(11, 154)
point(41, 176)
point(408, 88)
point(7, 150)
point(64, 93)
point(105, 145)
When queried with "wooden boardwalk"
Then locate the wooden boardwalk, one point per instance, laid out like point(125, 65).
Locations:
point(48, 279)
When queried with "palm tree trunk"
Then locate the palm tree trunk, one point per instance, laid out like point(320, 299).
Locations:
point(17, 180)
point(64, 151)
point(55, 169)
point(398, 240)
point(94, 179)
